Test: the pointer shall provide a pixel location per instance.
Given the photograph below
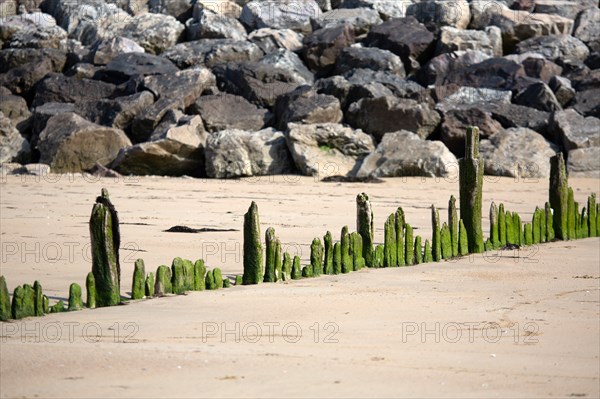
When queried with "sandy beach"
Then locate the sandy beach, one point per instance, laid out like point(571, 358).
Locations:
point(507, 324)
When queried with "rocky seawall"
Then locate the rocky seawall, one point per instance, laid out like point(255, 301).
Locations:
point(358, 88)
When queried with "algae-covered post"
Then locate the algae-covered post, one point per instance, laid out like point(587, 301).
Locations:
point(592, 217)
point(390, 251)
point(253, 256)
point(39, 298)
point(471, 185)
point(436, 240)
point(105, 240)
point(400, 220)
point(316, 257)
point(559, 196)
point(364, 226)
point(138, 285)
point(149, 285)
point(271, 256)
point(90, 288)
point(75, 301)
point(328, 256)
point(5, 309)
point(453, 224)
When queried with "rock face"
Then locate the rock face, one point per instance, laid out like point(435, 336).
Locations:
point(381, 115)
point(225, 111)
point(517, 152)
point(574, 131)
point(238, 153)
point(69, 143)
point(328, 149)
point(584, 162)
point(175, 148)
point(13, 148)
point(403, 153)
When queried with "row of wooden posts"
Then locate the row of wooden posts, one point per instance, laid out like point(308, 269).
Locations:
point(558, 219)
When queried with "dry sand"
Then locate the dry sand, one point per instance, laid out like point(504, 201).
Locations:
point(519, 324)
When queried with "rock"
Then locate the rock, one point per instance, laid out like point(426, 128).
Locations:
point(15, 108)
point(512, 115)
point(434, 72)
point(175, 148)
point(105, 50)
point(304, 105)
point(523, 5)
point(269, 40)
point(322, 47)
point(237, 153)
point(118, 113)
point(405, 37)
point(59, 88)
point(456, 122)
point(387, 9)
point(288, 60)
point(154, 32)
point(378, 116)
point(584, 162)
point(574, 131)
point(541, 68)
point(283, 14)
point(127, 65)
point(225, 111)
point(351, 58)
point(587, 102)
point(403, 153)
point(145, 122)
point(212, 52)
point(43, 113)
point(564, 8)
point(186, 85)
point(83, 70)
point(208, 24)
point(517, 152)
point(469, 96)
point(41, 37)
point(179, 9)
point(258, 83)
point(361, 19)
point(488, 41)
point(22, 79)
point(12, 58)
point(440, 13)
point(587, 28)
point(328, 149)
point(562, 89)
point(555, 47)
point(222, 7)
point(71, 144)
point(13, 148)
point(494, 73)
point(538, 96)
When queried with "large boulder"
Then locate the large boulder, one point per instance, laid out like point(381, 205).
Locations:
point(322, 47)
point(40, 37)
point(269, 40)
point(451, 97)
point(124, 66)
point(517, 152)
point(328, 149)
point(238, 153)
point(587, 28)
point(488, 41)
point(175, 148)
point(180, 9)
point(435, 70)
point(118, 113)
point(587, 102)
point(440, 13)
point(15, 108)
point(212, 52)
point(154, 32)
point(574, 131)
point(387, 9)
point(42, 114)
point(513, 115)
point(406, 37)
point(105, 50)
point(60, 88)
point(225, 111)
point(71, 144)
point(258, 83)
point(291, 63)
point(351, 58)
point(564, 8)
point(208, 24)
point(455, 124)
point(145, 122)
point(283, 14)
point(494, 73)
point(584, 162)
point(185, 85)
point(304, 105)
point(555, 47)
point(539, 96)
point(13, 147)
point(361, 19)
point(22, 69)
point(403, 153)
point(381, 115)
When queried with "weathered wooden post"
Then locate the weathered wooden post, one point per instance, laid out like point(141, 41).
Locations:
point(436, 238)
point(400, 221)
point(138, 286)
point(75, 301)
point(471, 185)
point(364, 226)
point(328, 256)
point(253, 255)
point(270, 258)
point(5, 308)
point(316, 257)
point(559, 196)
point(390, 250)
point(105, 239)
point(453, 224)
point(90, 288)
